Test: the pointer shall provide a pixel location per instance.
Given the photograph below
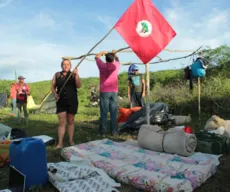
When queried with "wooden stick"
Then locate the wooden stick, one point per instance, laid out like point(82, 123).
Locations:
point(93, 54)
point(119, 50)
point(199, 90)
point(82, 59)
point(163, 61)
point(167, 60)
point(131, 105)
point(124, 63)
point(148, 94)
point(170, 50)
point(16, 77)
point(199, 109)
point(125, 50)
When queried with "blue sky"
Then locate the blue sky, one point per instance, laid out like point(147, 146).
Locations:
point(35, 33)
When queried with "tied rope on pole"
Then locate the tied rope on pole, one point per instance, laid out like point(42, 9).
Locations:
point(93, 54)
point(125, 49)
point(167, 60)
point(128, 50)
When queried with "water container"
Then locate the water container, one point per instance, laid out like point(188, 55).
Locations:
point(28, 155)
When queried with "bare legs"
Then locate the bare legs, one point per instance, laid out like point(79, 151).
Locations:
point(61, 128)
point(70, 121)
point(63, 119)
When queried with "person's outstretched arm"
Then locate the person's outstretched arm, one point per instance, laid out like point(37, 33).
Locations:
point(99, 62)
point(98, 56)
point(143, 88)
point(129, 88)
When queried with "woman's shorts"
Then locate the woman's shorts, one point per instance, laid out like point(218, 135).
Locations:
point(70, 109)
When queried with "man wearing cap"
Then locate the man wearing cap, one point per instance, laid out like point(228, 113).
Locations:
point(23, 91)
point(136, 88)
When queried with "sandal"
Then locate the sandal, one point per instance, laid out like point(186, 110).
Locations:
point(72, 144)
point(58, 147)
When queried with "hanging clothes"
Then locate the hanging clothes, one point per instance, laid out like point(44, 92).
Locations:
point(196, 70)
point(199, 68)
point(188, 76)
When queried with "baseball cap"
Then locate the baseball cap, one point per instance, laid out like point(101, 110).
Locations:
point(21, 77)
point(135, 68)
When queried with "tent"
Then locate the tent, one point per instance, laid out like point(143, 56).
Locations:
point(31, 104)
point(4, 130)
point(48, 104)
point(3, 100)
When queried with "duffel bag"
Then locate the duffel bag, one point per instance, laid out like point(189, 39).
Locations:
point(212, 143)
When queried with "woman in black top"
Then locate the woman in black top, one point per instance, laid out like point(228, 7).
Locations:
point(67, 101)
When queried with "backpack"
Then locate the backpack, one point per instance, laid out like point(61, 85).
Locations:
point(199, 68)
point(160, 118)
point(17, 133)
point(212, 143)
point(196, 70)
point(23, 96)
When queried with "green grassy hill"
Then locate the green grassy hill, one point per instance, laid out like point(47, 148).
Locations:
point(168, 86)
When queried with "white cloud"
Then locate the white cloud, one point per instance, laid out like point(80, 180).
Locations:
point(43, 20)
point(194, 28)
point(39, 58)
point(210, 28)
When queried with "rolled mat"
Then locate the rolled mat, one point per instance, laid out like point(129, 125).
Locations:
point(181, 120)
point(174, 141)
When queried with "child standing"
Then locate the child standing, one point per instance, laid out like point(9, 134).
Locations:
point(93, 94)
point(136, 88)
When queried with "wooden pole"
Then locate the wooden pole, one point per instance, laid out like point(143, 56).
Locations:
point(199, 109)
point(82, 59)
point(15, 73)
point(131, 106)
point(199, 90)
point(91, 54)
point(147, 94)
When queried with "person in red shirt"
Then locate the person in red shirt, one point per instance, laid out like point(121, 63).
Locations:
point(23, 91)
point(13, 96)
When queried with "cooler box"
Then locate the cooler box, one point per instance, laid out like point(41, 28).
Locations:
point(28, 155)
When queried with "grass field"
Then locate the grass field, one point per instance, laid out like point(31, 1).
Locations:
point(86, 130)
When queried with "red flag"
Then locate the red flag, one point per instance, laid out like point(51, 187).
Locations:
point(145, 30)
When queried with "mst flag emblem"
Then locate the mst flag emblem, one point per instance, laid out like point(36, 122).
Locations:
point(144, 28)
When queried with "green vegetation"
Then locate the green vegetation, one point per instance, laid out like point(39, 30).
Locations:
point(166, 86)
